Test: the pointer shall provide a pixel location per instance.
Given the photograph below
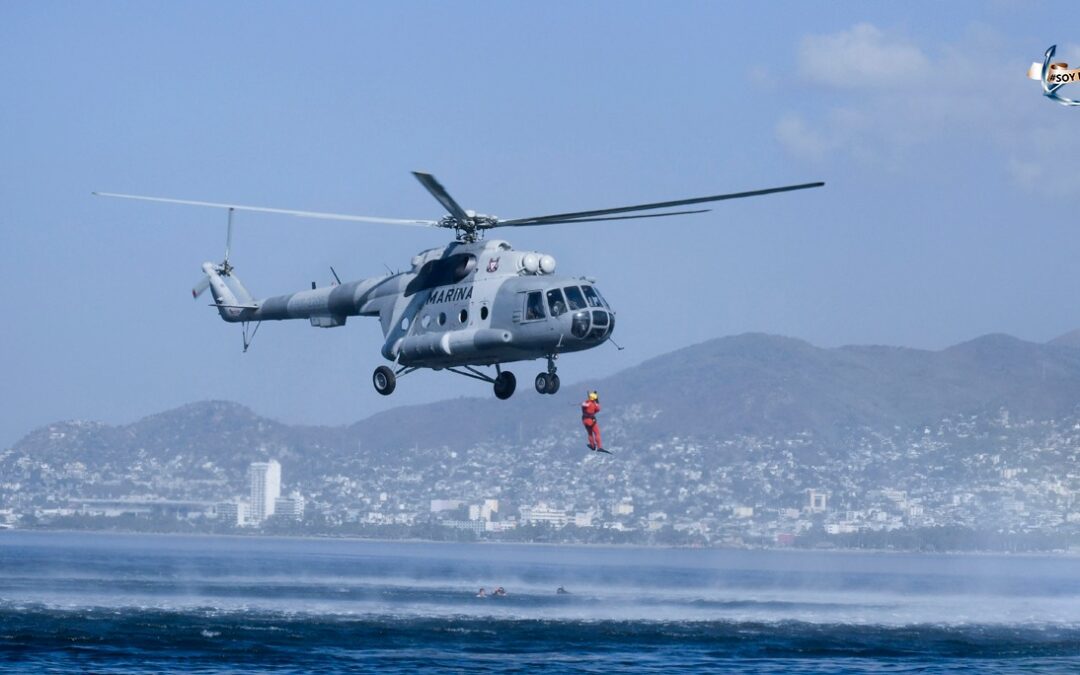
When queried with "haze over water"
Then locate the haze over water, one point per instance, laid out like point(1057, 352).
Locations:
point(138, 603)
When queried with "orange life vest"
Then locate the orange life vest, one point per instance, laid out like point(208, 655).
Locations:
point(588, 412)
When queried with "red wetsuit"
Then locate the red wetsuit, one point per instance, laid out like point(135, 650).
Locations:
point(588, 418)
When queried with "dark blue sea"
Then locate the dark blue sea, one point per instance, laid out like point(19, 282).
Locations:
point(149, 604)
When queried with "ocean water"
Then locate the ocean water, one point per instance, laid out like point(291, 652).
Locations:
point(81, 602)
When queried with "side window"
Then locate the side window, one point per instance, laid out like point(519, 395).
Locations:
point(592, 297)
point(556, 302)
point(574, 297)
point(534, 306)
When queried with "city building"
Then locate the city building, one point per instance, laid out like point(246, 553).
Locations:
point(265, 488)
point(291, 507)
point(542, 513)
point(438, 505)
point(818, 501)
point(475, 526)
point(584, 519)
point(153, 508)
point(234, 513)
point(485, 510)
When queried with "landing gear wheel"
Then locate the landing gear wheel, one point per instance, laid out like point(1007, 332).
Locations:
point(547, 383)
point(384, 380)
point(505, 384)
point(542, 383)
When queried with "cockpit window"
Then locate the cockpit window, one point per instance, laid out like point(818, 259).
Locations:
point(592, 296)
point(574, 297)
point(556, 302)
point(534, 306)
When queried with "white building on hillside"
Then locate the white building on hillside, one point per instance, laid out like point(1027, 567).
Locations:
point(542, 513)
point(265, 488)
point(291, 507)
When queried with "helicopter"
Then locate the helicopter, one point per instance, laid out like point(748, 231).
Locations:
point(473, 303)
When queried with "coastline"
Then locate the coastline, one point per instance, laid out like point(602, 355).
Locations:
point(794, 550)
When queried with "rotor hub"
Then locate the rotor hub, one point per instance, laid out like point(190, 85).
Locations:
point(469, 229)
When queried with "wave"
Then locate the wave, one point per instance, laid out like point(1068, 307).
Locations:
point(30, 629)
point(206, 605)
point(458, 604)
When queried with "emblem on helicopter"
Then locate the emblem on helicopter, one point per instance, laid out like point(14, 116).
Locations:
point(439, 314)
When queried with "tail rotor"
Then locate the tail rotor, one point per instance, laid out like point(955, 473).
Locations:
point(223, 268)
point(200, 287)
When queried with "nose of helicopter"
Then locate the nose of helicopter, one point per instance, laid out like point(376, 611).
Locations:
point(594, 325)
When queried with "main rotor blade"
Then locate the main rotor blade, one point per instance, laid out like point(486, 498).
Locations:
point(596, 220)
point(439, 192)
point(563, 217)
point(264, 209)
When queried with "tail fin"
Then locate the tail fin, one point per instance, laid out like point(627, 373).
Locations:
point(231, 298)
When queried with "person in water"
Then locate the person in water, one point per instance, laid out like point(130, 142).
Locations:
point(481, 593)
point(589, 408)
point(500, 591)
point(561, 591)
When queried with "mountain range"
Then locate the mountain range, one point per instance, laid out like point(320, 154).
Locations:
point(750, 384)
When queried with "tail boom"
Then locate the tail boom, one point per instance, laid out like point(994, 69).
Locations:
point(326, 307)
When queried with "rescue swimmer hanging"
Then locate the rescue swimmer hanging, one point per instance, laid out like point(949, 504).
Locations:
point(589, 408)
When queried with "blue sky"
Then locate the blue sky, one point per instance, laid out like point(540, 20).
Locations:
point(949, 210)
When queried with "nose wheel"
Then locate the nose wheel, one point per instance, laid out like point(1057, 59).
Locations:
point(547, 383)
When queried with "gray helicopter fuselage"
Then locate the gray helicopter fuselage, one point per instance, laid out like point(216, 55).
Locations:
point(475, 304)
point(470, 303)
